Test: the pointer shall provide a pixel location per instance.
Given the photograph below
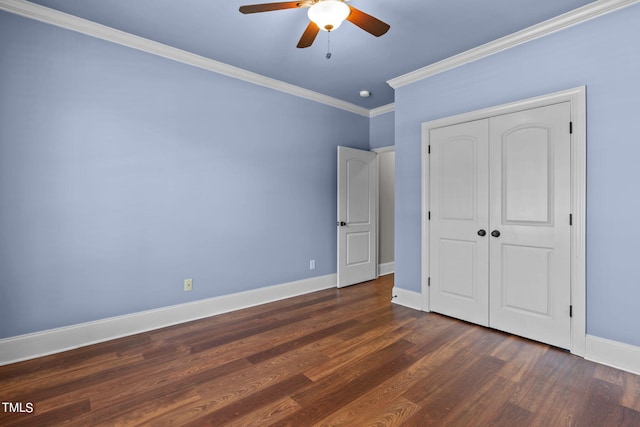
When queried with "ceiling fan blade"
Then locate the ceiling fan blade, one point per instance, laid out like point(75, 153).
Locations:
point(309, 35)
point(267, 7)
point(367, 22)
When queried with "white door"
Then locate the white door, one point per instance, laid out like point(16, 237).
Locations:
point(500, 233)
point(357, 216)
point(530, 206)
point(459, 256)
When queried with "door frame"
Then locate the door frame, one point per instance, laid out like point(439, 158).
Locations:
point(389, 267)
point(577, 100)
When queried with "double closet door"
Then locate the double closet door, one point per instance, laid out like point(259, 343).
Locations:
point(500, 223)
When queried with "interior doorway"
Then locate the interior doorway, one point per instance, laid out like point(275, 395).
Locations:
point(386, 209)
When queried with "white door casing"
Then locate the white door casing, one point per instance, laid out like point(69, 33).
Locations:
point(357, 222)
point(576, 100)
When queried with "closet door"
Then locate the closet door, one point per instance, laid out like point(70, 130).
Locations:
point(459, 199)
point(529, 223)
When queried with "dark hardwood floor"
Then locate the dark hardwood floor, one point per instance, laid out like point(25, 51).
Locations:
point(336, 357)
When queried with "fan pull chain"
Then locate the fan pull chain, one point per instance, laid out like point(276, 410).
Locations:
point(328, 56)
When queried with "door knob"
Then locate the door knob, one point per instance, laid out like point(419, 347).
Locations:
point(495, 233)
point(482, 233)
point(341, 223)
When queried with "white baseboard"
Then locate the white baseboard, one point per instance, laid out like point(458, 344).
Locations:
point(407, 298)
point(613, 353)
point(29, 346)
point(386, 268)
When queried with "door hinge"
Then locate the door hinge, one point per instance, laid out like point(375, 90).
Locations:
point(570, 127)
point(429, 281)
point(570, 311)
point(429, 149)
point(570, 219)
point(429, 215)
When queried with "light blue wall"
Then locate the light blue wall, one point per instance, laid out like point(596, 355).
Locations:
point(122, 173)
point(382, 130)
point(602, 54)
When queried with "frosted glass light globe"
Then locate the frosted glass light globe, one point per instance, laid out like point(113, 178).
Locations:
point(328, 14)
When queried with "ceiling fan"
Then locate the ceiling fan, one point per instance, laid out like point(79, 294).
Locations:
point(324, 15)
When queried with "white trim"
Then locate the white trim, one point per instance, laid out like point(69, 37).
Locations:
point(613, 353)
point(577, 99)
point(23, 347)
point(424, 224)
point(386, 268)
point(406, 298)
point(561, 22)
point(93, 29)
point(389, 108)
point(579, 227)
point(387, 149)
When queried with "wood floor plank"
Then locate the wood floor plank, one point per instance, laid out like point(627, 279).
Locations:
point(28, 379)
point(429, 324)
point(382, 318)
point(268, 414)
point(609, 374)
point(301, 342)
point(241, 333)
point(246, 346)
point(519, 365)
point(629, 417)
point(341, 360)
point(221, 392)
point(454, 392)
point(359, 411)
point(335, 357)
point(253, 402)
point(631, 397)
point(347, 385)
point(323, 397)
point(139, 412)
point(459, 363)
point(510, 415)
point(394, 413)
point(542, 382)
point(488, 406)
point(362, 372)
point(602, 404)
point(561, 400)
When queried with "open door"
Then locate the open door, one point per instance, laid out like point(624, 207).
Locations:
point(357, 216)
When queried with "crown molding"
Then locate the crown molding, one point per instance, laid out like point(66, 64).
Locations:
point(70, 22)
point(382, 110)
point(569, 19)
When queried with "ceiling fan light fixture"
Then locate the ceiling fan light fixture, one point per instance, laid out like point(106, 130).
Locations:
point(328, 14)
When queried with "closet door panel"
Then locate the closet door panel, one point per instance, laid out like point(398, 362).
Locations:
point(529, 208)
point(459, 209)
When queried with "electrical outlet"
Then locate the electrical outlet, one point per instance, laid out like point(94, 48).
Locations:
point(312, 264)
point(188, 285)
